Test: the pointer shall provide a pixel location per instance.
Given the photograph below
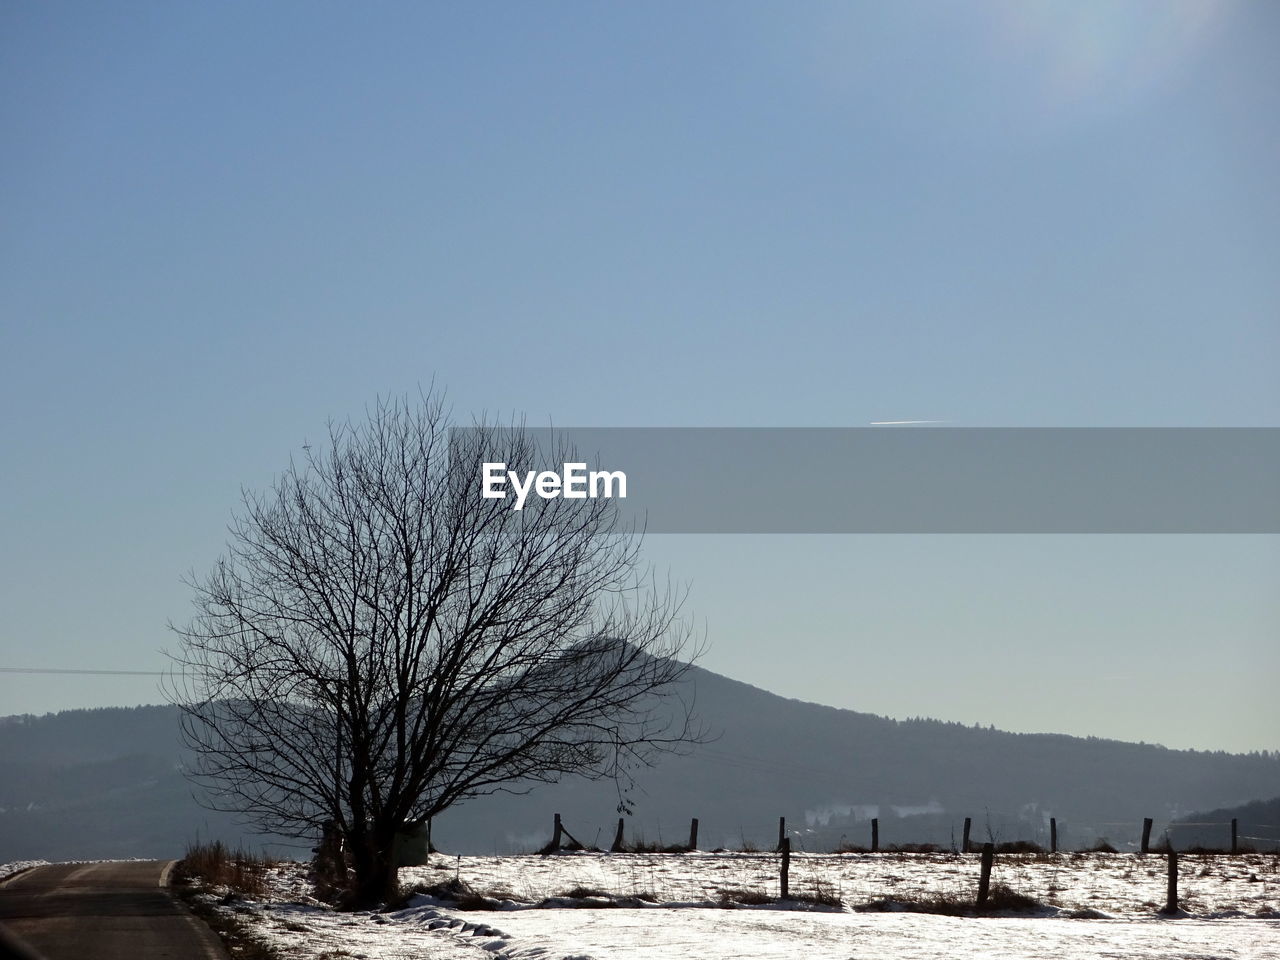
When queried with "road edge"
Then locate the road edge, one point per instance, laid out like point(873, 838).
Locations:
point(215, 948)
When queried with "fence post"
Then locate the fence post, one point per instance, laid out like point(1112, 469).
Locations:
point(1053, 834)
point(964, 845)
point(875, 834)
point(984, 878)
point(617, 839)
point(693, 834)
point(1146, 835)
point(782, 831)
point(1235, 824)
point(555, 837)
point(785, 847)
point(1171, 902)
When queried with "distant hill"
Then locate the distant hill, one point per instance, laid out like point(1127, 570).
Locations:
point(828, 770)
point(100, 784)
point(1257, 825)
point(107, 783)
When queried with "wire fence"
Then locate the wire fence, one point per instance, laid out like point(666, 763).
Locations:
point(937, 832)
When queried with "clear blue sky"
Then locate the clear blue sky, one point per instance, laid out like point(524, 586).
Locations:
point(222, 224)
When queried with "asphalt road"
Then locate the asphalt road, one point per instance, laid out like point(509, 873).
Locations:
point(102, 911)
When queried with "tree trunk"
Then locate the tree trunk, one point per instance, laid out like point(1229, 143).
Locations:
point(376, 881)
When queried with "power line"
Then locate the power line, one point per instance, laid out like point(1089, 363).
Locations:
point(113, 673)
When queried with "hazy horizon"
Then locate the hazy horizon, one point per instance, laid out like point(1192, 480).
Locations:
point(761, 685)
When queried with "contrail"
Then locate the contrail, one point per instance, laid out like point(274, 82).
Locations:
point(116, 673)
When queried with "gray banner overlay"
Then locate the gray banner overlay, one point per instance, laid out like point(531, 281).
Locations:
point(925, 479)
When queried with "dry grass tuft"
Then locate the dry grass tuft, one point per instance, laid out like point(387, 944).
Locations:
point(642, 846)
point(586, 893)
point(1019, 846)
point(460, 893)
point(1101, 845)
point(214, 865)
point(999, 898)
point(913, 848)
point(851, 848)
point(822, 895)
point(734, 896)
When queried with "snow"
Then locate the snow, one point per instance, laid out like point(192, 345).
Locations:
point(1119, 885)
point(773, 935)
point(306, 931)
point(1232, 910)
point(17, 866)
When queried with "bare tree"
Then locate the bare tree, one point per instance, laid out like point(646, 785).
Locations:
point(380, 642)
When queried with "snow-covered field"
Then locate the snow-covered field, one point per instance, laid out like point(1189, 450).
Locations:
point(1119, 885)
point(1232, 909)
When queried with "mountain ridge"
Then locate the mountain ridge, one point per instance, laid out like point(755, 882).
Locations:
point(826, 769)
